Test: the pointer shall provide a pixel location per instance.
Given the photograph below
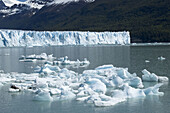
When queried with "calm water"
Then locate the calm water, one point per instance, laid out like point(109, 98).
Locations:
point(132, 57)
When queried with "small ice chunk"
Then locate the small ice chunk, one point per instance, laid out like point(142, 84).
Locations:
point(55, 91)
point(107, 101)
point(75, 64)
point(1, 84)
point(7, 54)
point(150, 77)
point(85, 61)
point(66, 95)
point(123, 73)
point(117, 81)
point(1, 71)
point(82, 98)
point(104, 67)
point(147, 61)
point(41, 83)
point(43, 96)
point(5, 79)
point(111, 102)
point(161, 58)
point(163, 79)
point(82, 93)
point(153, 90)
point(118, 94)
point(50, 57)
point(96, 85)
point(52, 68)
point(13, 90)
point(132, 92)
point(135, 82)
point(49, 62)
point(48, 71)
point(38, 69)
point(33, 57)
point(92, 98)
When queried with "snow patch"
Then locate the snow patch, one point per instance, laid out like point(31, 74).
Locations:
point(10, 3)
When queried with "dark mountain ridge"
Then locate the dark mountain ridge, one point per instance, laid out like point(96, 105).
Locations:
point(147, 21)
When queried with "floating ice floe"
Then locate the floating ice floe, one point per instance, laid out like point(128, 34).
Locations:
point(63, 61)
point(161, 58)
point(53, 83)
point(49, 59)
point(152, 77)
point(14, 90)
point(33, 58)
point(147, 61)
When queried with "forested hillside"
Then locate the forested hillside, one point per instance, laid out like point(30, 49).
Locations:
point(147, 20)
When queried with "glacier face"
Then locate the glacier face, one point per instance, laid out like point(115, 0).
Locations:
point(10, 38)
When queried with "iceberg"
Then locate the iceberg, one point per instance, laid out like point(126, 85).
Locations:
point(152, 77)
point(10, 38)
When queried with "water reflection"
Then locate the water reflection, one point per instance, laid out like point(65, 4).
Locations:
point(42, 106)
point(120, 56)
point(97, 55)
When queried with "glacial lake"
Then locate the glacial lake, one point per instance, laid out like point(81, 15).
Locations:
point(132, 57)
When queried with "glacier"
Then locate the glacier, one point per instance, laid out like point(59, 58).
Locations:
point(11, 38)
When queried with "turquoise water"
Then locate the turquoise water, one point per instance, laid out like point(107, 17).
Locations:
point(132, 57)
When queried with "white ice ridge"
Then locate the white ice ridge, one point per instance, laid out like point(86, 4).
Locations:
point(10, 38)
point(104, 86)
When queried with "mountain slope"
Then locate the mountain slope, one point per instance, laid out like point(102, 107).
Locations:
point(2, 5)
point(148, 21)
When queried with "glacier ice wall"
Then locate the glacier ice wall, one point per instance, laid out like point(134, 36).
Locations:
point(10, 38)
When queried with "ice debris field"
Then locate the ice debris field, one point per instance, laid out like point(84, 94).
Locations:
point(103, 86)
point(34, 57)
point(10, 38)
point(50, 59)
